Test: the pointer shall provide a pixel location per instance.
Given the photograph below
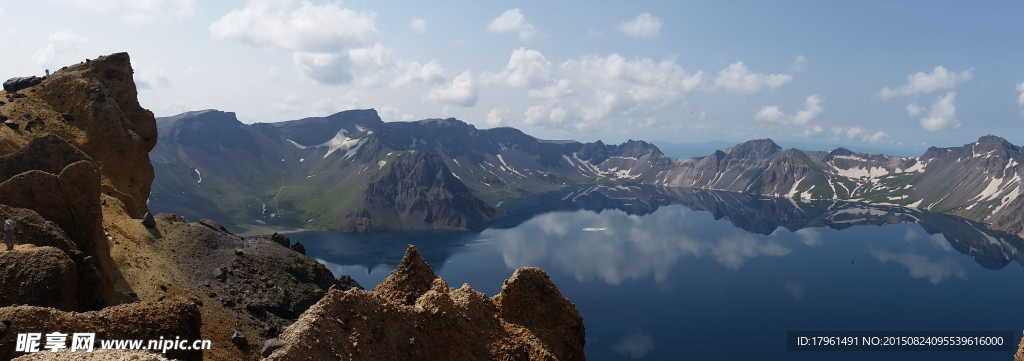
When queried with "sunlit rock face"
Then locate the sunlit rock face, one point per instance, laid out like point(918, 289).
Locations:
point(414, 315)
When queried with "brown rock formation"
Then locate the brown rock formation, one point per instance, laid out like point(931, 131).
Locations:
point(137, 321)
point(46, 269)
point(50, 283)
point(95, 355)
point(413, 315)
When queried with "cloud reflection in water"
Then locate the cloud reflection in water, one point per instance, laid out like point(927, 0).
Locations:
point(632, 247)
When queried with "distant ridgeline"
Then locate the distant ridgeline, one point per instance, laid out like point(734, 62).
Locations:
point(353, 172)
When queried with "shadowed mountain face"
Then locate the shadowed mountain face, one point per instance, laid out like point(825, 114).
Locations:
point(316, 172)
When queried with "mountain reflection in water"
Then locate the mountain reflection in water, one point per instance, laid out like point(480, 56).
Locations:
point(682, 273)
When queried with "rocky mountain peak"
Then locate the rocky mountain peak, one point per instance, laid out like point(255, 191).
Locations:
point(757, 149)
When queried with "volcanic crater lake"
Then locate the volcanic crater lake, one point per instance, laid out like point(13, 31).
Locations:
point(673, 273)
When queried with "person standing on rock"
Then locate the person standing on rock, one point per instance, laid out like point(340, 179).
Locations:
point(9, 233)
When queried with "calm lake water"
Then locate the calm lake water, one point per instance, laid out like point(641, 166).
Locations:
point(700, 275)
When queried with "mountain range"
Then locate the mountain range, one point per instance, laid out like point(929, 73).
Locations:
point(351, 171)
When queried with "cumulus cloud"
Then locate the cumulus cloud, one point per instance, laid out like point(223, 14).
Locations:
point(324, 38)
point(526, 67)
point(462, 91)
point(913, 110)
point(921, 82)
point(593, 91)
point(326, 68)
point(137, 12)
point(875, 138)
point(644, 26)
point(798, 65)
point(922, 267)
point(941, 116)
point(430, 72)
point(854, 131)
point(366, 67)
point(296, 25)
point(812, 109)
point(150, 76)
point(512, 21)
point(418, 25)
point(496, 116)
point(60, 43)
point(739, 79)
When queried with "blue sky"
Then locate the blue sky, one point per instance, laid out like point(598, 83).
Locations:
point(885, 75)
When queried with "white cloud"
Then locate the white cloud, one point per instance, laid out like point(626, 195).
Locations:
point(296, 25)
point(812, 109)
point(920, 82)
point(138, 12)
point(418, 25)
point(913, 110)
point(326, 68)
point(430, 73)
point(854, 131)
point(738, 79)
point(150, 76)
point(461, 91)
point(324, 38)
point(365, 67)
point(526, 67)
point(496, 116)
point(1020, 98)
point(643, 26)
point(942, 115)
point(60, 43)
point(798, 65)
point(875, 138)
point(594, 92)
point(770, 114)
point(512, 21)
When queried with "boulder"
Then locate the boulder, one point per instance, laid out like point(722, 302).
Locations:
point(211, 224)
point(298, 247)
point(270, 346)
point(345, 283)
point(15, 84)
point(148, 220)
point(238, 339)
point(281, 240)
point(221, 274)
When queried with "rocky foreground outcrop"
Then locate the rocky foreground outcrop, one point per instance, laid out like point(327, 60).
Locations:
point(138, 321)
point(413, 315)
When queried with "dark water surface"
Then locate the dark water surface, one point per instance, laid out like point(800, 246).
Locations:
point(700, 275)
